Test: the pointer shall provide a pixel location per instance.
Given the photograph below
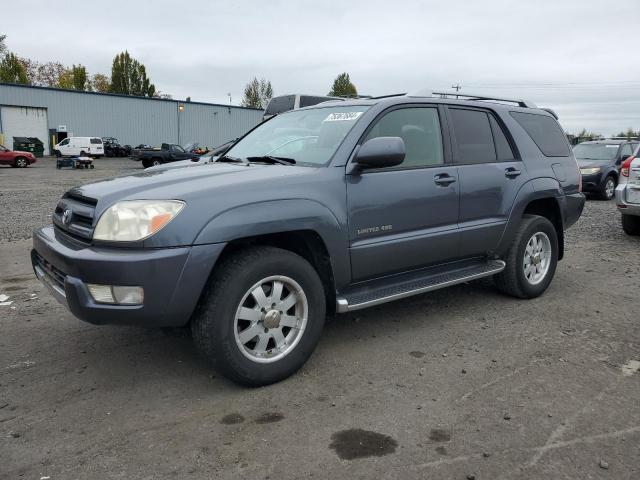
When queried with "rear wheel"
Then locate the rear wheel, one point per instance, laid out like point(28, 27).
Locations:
point(156, 161)
point(261, 315)
point(608, 189)
point(531, 259)
point(21, 162)
point(631, 224)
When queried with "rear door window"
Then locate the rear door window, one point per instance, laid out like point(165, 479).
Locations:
point(473, 136)
point(545, 132)
point(503, 149)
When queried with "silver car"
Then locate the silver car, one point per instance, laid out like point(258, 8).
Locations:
point(628, 194)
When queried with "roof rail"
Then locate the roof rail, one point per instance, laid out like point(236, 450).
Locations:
point(388, 96)
point(463, 96)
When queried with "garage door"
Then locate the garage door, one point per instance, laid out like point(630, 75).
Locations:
point(24, 122)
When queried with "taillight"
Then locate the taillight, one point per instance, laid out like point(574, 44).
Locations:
point(626, 165)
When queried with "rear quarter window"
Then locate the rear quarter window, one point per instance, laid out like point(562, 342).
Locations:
point(545, 132)
point(96, 141)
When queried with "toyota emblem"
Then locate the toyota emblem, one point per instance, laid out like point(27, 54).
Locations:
point(66, 217)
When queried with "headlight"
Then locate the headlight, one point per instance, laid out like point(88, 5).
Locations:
point(589, 171)
point(134, 220)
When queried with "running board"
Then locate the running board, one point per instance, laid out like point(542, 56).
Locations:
point(413, 283)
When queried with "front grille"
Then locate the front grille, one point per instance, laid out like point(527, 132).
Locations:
point(55, 275)
point(79, 219)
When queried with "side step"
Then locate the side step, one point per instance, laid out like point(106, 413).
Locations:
point(405, 285)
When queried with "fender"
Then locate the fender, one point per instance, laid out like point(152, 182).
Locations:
point(279, 216)
point(534, 189)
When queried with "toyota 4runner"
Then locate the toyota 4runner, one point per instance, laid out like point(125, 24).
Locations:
point(331, 208)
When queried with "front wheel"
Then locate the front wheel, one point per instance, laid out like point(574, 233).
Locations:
point(631, 224)
point(21, 162)
point(261, 315)
point(609, 188)
point(531, 259)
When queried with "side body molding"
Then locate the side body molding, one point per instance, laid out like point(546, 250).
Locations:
point(281, 216)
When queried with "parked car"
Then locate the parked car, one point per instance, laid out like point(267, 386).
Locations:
point(375, 200)
point(208, 157)
point(112, 148)
point(628, 194)
point(284, 103)
point(600, 162)
point(79, 146)
point(16, 158)
point(168, 152)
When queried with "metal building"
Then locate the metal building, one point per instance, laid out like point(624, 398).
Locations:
point(52, 114)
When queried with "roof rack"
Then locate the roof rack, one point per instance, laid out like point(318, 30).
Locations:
point(388, 96)
point(463, 96)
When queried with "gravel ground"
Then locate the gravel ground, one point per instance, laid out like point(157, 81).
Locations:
point(459, 383)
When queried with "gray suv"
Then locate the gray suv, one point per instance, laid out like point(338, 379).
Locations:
point(321, 210)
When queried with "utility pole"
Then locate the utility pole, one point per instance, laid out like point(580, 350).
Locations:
point(457, 88)
point(229, 98)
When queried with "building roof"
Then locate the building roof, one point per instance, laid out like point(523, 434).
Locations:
point(83, 92)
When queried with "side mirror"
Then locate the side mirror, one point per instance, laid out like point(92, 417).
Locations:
point(381, 152)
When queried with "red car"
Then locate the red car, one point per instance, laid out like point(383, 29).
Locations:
point(16, 159)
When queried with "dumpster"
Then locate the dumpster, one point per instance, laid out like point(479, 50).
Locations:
point(28, 144)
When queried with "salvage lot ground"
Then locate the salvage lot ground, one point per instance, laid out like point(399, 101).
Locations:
point(459, 382)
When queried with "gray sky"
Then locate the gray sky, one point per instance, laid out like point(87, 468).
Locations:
point(577, 57)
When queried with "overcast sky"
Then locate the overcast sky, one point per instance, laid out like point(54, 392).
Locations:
point(578, 57)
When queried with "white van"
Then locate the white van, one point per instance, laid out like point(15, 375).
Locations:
point(284, 103)
point(80, 146)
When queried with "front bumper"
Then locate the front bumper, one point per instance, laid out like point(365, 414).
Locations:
point(172, 278)
point(625, 207)
point(592, 183)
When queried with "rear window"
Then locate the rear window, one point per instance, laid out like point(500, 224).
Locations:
point(280, 104)
point(96, 141)
point(545, 132)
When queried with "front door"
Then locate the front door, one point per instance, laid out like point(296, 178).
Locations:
point(404, 217)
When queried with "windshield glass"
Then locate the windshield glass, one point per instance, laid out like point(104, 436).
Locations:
point(595, 151)
point(309, 137)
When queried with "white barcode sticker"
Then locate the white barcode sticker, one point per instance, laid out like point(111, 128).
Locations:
point(342, 116)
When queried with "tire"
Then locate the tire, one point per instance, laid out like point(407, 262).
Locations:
point(631, 225)
point(217, 331)
point(21, 162)
point(146, 163)
point(156, 161)
point(513, 280)
point(608, 189)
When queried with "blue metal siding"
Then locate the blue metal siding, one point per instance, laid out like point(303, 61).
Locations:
point(134, 120)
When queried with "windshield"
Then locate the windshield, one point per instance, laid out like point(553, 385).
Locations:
point(309, 137)
point(596, 151)
point(3, 148)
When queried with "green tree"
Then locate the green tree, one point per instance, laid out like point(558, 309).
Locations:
point(65, 79)
point(129, 77)
point(79, 75)
point(257, 93)
point(342, 87)
point(3, 46)
point(100, 83)
point(12, 70)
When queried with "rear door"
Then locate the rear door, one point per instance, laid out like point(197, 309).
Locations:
point(490, 175)
point(404, 217)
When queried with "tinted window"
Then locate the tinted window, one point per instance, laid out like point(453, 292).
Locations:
point(626, 150)
point(280, 104)
point(473, 136)
point(96, 141)
point(65, 142)
point(420, 130)
point(177, 149)
point(596, 151)
point(307, 100)
point(545, 132)
point(503, 149)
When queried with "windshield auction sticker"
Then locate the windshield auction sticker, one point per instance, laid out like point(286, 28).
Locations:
point(342, 116)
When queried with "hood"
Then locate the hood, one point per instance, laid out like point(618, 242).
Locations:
point(189, 181)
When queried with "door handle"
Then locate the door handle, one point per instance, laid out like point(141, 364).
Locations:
point(511, 172)
point(443, 179)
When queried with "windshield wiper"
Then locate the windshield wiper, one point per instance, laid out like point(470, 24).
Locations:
point(230, 159)
point(273, 160)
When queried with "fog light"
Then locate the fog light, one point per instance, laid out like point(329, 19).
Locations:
point(117, 295)
point(128, 295)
